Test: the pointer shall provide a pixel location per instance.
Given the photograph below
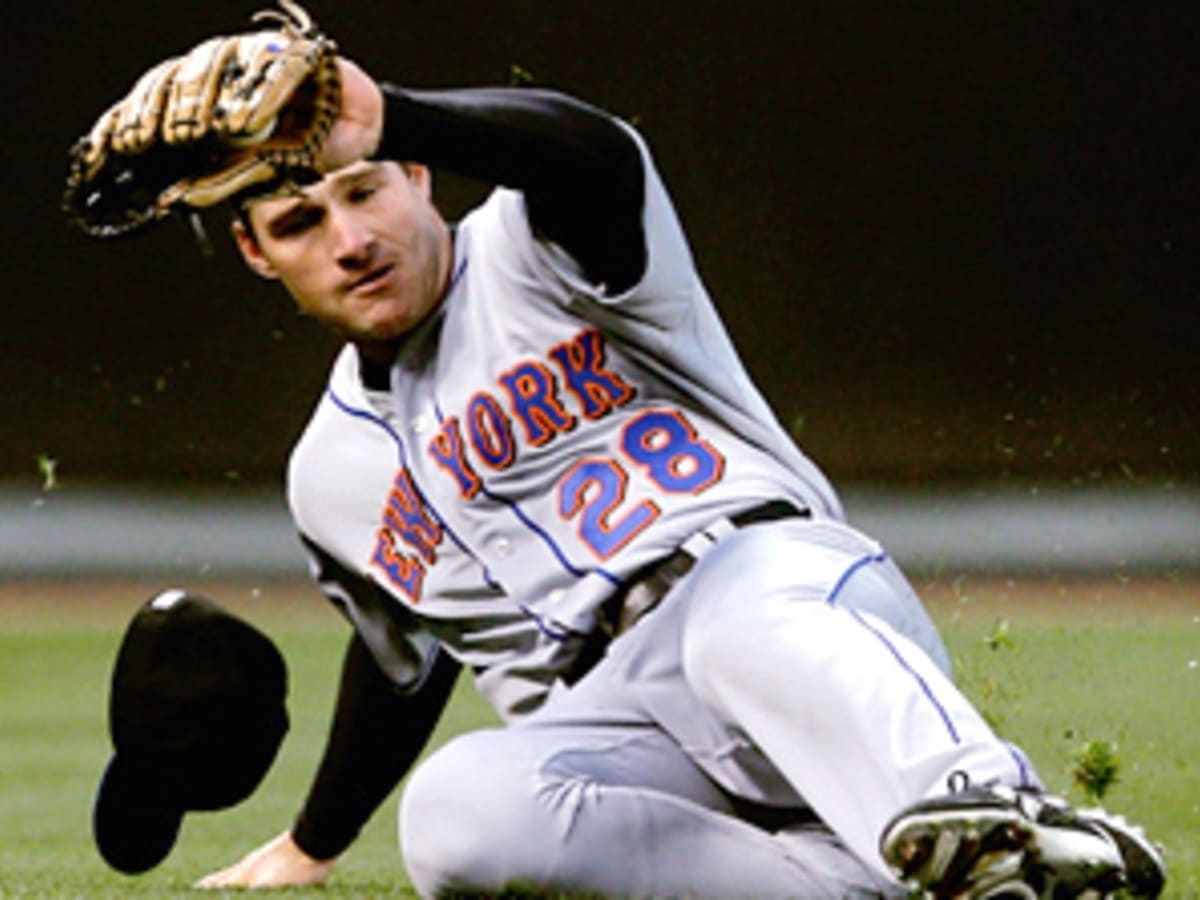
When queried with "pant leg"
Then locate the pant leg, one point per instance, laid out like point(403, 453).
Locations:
point(600, 810)
point(807, 637)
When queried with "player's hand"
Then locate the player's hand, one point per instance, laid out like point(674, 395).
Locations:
point(277, 863)
point(232, 114)
point(359, 126)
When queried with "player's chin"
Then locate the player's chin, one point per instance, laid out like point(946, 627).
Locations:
point(378, 329)
point(376, 319)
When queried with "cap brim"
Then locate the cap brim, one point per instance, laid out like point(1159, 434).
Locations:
point(134, 825)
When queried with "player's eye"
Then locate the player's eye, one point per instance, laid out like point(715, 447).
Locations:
point(361, 193)
point(296, 221)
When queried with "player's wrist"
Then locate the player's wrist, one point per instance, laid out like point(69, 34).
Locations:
point(358, 132)
point(317, 844)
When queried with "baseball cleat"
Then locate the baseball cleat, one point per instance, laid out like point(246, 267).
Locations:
point(1145, 871)
point(992, 842)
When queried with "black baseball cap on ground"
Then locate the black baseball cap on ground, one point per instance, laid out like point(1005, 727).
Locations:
point(197, 711)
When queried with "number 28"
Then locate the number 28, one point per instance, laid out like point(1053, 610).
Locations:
point(661, 443)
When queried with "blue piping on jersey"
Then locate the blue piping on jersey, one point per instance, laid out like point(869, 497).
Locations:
point(458, 272)
point(370, 417)
point(1018, 759)
point(555, 634)
point(513, 504)
point(547, 539)
point(1022, 764)
point(921, 682)
point(841, 582)
point(394, 435)
point(551, 543)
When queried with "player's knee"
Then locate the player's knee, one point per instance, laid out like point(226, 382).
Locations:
point(441, 817)
point(465, 819)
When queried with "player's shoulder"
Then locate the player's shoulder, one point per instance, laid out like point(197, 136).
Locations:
point(497, 242)
point(503, 210)
point(342, 396)
point(345, 452)
point(345, 374)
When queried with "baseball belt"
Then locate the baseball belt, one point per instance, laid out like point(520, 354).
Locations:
point(645, 590)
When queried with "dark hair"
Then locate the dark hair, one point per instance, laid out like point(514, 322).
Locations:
point(241, 213)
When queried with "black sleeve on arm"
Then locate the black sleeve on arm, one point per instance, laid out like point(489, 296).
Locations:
point(376, 735)
point(580, 170)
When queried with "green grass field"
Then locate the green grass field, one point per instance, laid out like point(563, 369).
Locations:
point(1054, 664)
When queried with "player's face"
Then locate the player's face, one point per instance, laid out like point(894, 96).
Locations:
point(363, 250)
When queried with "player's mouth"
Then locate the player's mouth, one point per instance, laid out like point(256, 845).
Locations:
point(374, 280)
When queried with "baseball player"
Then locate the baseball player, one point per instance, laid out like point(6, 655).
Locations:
point(539, 459)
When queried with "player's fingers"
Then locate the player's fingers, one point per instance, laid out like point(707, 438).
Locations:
point(266, 874)
point(235, 875)
point(358, 118)
point(94, 148)
point(241, 874)
point(189, 107)
point(278, 863)
point(216, 880)
point(139, 115)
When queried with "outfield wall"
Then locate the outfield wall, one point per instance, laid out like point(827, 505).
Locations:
point(68, 532)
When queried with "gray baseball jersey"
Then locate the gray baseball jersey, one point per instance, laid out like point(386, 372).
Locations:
point(541, 441)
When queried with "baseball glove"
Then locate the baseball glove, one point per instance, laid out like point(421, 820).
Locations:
point(233, 113)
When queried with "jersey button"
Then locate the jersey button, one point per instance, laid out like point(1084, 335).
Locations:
point(420, 424)
point(501, 547)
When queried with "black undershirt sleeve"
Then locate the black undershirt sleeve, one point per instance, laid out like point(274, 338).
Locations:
point(376, 735)
point(579, 168)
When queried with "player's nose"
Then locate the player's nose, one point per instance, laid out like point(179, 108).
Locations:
point(353, 242)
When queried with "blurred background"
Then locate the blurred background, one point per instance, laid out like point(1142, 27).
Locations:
point(957, 244)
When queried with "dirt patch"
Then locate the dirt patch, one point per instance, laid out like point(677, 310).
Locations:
point(1063, 599)
point(38, 603)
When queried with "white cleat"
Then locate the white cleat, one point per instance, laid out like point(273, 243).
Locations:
point(991, 842)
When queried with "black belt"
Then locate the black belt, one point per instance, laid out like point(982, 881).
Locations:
point(642, 592)
point(645, 589)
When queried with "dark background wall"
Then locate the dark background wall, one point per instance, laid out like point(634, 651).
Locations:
point(953, 240)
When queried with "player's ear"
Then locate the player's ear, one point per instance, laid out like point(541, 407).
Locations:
point(421, 177)
point(252, 254)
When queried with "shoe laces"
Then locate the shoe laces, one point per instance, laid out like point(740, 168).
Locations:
point(1033, 804)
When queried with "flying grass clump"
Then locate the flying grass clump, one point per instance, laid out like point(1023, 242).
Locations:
point(1095, 769)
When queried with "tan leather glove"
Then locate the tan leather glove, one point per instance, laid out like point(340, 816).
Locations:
point(233, 113)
